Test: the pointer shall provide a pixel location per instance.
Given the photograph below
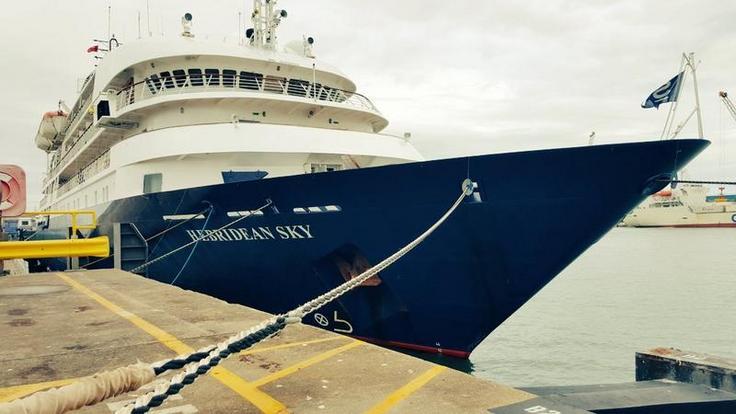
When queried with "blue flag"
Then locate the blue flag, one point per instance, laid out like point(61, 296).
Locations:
point(665, 93)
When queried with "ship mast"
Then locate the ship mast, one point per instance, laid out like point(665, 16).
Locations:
point(266, 18)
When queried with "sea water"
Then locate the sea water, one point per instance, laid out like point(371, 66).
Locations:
point(635, 289)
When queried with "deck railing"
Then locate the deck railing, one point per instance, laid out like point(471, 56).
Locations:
point(60, 160)
point(101, 163)
point(250, 82)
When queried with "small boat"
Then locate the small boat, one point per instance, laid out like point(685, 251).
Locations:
point(687, 205)
point(50, 130)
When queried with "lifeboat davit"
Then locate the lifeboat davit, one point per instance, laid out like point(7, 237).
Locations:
point(50, 131)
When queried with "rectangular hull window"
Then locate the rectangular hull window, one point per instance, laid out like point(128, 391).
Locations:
point(195, 77)
point(250, 80)
point(167, 80)
point(152, 183)
point(180, 77)
point(228, 78)
point(212, 77)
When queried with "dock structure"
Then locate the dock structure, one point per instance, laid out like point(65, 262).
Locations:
point(686, 367)
point(58, 327)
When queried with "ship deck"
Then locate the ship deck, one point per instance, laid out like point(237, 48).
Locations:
point(61, 326)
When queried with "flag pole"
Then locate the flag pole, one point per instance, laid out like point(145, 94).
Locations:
point(673, 108)
point(691, 63)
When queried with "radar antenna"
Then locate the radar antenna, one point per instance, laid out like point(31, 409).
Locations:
point(266, 18)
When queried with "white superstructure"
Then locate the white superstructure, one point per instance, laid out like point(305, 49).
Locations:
point(685, 206)
point(161, 114)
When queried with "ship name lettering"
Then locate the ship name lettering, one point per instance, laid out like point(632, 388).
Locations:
point(298, 231)
point(294, 232)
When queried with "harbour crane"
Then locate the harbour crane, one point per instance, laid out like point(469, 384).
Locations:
point(729, 104)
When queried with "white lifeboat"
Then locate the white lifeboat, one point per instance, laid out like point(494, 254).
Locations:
point(50, 131)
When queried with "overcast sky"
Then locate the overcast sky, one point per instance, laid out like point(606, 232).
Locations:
point(464, 77)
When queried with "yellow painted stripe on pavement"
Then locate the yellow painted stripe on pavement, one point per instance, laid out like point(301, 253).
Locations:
point(307, 362)
point(248, 391)
point(405, 391)
point(291, 344)
point(261, 400)
point(18, 391)
point(162, 336)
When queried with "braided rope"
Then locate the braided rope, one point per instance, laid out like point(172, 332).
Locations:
point(335, 293)
point(197, 239)
point(201, 361)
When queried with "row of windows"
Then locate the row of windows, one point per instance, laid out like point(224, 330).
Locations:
point(230, 78)
point(98, 196)
point(667, 204)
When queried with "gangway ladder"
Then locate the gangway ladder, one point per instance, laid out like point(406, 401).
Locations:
point(729, 105)
point(130, 247)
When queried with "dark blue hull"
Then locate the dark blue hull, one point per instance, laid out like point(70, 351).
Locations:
point(537, 212)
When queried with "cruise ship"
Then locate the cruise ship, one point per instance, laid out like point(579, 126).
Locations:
point(172, 140)
point(688, 205)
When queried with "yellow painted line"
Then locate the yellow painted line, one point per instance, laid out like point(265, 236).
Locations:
point(289, 345)
point(261, 400)
point(307, 362)
point(248, 391)
point(162, 336)
point(405, 391)
point(18, 391)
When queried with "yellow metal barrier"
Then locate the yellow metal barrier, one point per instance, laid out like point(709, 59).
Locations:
point(73, 213)
point(43, 249)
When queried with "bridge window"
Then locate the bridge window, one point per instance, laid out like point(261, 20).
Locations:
point(154, 83)
point(195, 77)
point(324, 92)
point(152, 183)
point(228, 78)
point(250, 80)
point(212, 77)
point(180, 77)
point(316, 90)
point(298, 87)
point(167, 80)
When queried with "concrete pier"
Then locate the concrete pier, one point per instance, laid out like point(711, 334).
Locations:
point(60, 326)
point(687, 367)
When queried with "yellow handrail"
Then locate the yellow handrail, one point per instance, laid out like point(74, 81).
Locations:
point(42, 249)
point(73, 214)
